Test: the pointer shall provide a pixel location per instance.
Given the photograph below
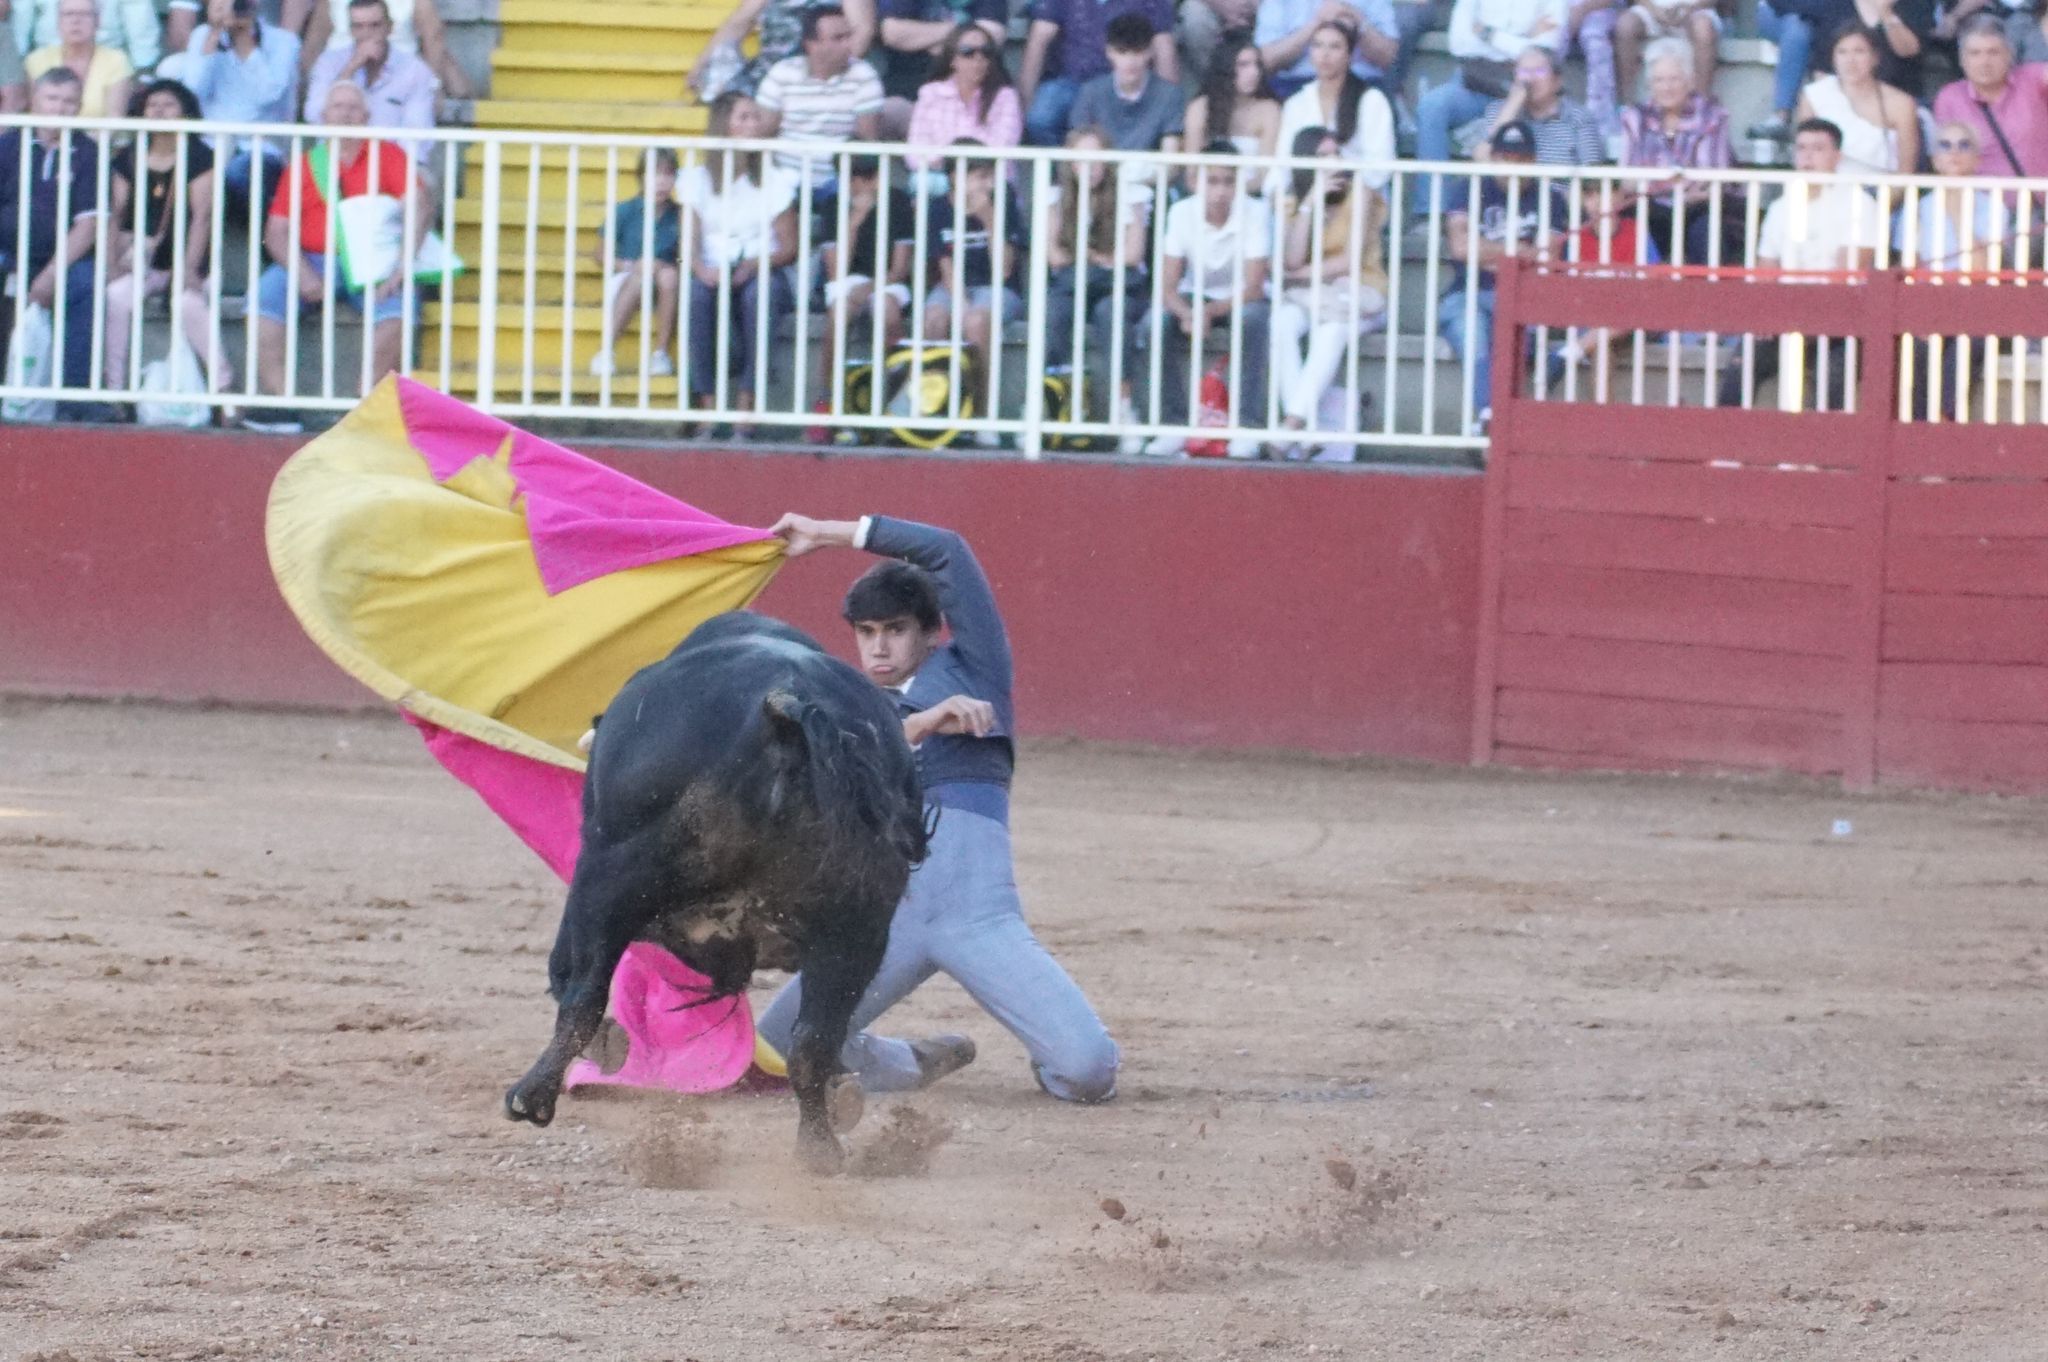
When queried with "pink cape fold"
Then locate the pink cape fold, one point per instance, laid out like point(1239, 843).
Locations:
point(585, 520)
point(681, 1038)
point(678, 1037)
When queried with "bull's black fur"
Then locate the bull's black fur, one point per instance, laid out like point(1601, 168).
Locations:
point(750, 801)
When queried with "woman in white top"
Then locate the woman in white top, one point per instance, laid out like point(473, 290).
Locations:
point(1237, 102)
point(416, 29)
point(1880, 125)
point(739, 210)
point(1337, 98)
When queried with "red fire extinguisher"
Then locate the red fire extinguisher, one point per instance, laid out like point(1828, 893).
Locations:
point(1213, 410)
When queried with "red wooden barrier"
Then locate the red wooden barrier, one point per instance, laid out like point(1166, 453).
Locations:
point(1322, 610)
point(1839, 594)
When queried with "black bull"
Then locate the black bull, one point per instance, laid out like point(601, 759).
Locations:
point(750, 802)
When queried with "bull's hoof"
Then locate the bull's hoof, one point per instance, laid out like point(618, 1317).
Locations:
point(820, 1156)
point(845, 1103)
point(521, 1105)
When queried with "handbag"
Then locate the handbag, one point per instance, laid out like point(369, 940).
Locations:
point(28, 366)
point(937, 369)
point(1486, 76)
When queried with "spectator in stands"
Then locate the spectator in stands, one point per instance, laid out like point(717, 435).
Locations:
point(1529, 217)
point(401, 90)
point(920, 42)
point(1202, 27)
point(1485, 36)
point(1068, 46)
point(106, 73)
point(2016, 17)
point(778, 29)
point(13, 79)
point(874, 270)
point(1591, 26)
point(144, 269)
point(1952, 230)
point(62, 225)
point(416, 31)
point(1334, 289)
point(972, 97)
point(1359, 113)
point(644, 261)
point(2005, 106)
point(1567, 133)
point(1697, 23)
point(1608, 231)
point(1899, 30)
point(1608, 234)
point(130, 27)
point(182, 17)
point(2033, 44)
point(1877, 126)
point(1819, 228)
point(1135, 108)
point(821, 97)
point(742, 215)
point(980, 248)
point(1679, 129)
point(1086, 265)
point(1215, 254)
point(245, 69)
point(297, 275)
point(1237, 102)
point(1286, 26)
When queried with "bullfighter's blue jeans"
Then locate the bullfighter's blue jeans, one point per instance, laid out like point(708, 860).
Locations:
point(961, 917)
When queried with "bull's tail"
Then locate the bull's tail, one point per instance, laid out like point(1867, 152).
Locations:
point(853, 793)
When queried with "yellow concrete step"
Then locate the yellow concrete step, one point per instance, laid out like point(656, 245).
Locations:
point(626, 389)
point(628, 77)
point(589, 116)
point(595, 26)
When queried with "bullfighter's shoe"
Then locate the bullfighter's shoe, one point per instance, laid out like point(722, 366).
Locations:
point(938, 1056)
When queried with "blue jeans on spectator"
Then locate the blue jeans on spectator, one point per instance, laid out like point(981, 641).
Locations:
point(742, 332)
point(1794, 37)
point(275, 295)
point(237, 177)
point(1045, 123)
point(1450, 320)
point(1448, 106)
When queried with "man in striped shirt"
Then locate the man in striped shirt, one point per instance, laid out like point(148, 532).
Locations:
point(1567, 133)
point(823, 94)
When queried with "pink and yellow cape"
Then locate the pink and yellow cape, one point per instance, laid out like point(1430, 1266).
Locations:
point(499, 589)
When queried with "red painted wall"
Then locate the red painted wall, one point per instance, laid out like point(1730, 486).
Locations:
point(1197, 604)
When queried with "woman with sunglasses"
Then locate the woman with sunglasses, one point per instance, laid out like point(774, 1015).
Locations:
point(1334, 286)
point(972, 97)
point(1946, 230)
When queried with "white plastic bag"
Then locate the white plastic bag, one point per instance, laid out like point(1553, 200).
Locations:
point(372, 232)
point(29, 363)
point(178, 374)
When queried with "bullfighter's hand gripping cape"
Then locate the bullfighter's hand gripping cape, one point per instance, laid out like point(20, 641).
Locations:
point(499, 590)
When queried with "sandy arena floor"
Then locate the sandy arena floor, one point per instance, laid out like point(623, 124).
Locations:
point(1420, 1064)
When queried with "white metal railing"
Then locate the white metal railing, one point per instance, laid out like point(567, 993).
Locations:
point(1399, 364)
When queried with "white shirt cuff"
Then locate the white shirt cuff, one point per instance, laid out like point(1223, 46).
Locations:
point(860, 531)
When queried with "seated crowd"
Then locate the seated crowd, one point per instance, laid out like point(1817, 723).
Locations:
point(1291, 265)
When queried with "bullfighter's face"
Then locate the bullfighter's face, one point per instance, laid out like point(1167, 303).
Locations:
point(892, 650)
